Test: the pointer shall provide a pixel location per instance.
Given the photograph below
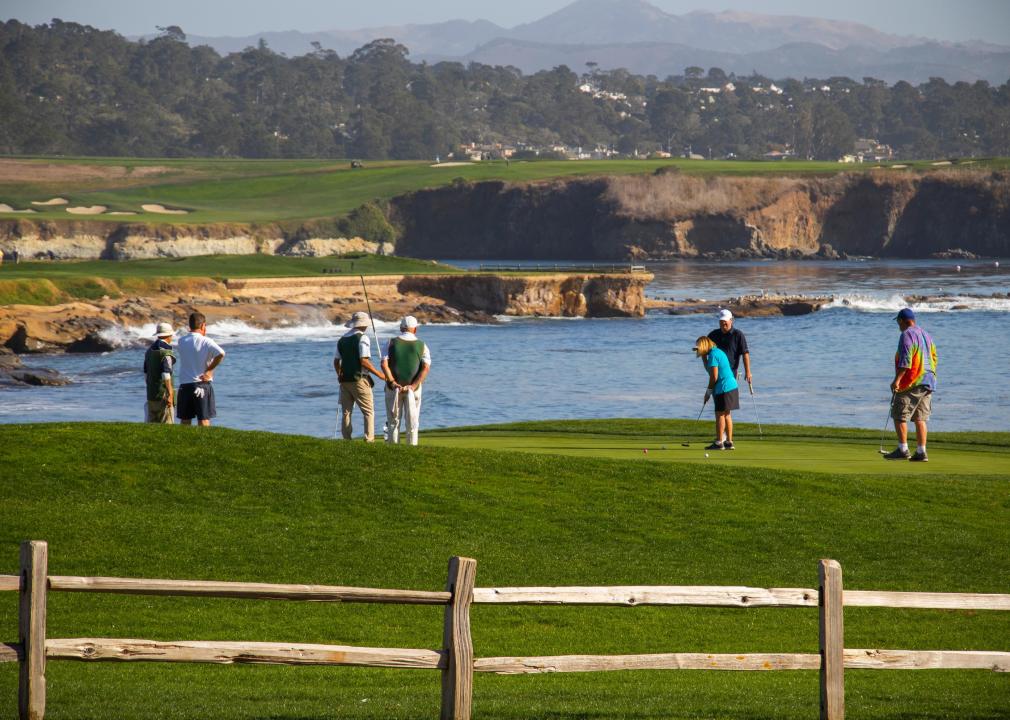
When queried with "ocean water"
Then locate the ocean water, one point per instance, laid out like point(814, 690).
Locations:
point(828, 368)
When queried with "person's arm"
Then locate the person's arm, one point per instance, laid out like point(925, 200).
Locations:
point(208, 374)
point(903, 360)
point(336, 364)
point(713, 377)
point(387, 373)
point(367, 364)
point(166, 377)
point(420, 377)
point(746, 368)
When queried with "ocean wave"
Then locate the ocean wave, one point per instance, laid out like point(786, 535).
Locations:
point(238, 332)
point(893, 303)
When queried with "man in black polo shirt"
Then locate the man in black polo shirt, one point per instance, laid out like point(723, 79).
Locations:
point(732, 342)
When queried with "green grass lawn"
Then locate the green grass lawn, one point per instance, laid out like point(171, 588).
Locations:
point(262, 191)
point(146, 501)
point(47, 283)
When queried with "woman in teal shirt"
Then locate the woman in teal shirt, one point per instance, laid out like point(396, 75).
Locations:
point(722, 387)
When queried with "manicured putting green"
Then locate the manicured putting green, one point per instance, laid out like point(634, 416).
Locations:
point(824, 455)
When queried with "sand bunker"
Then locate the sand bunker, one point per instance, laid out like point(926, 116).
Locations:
point(163, 210)
point(53, 201)
point(898, 167)
point(4, 207)
point(121, 212)
point(90, 210)
point(451, 164)
point(941, 162)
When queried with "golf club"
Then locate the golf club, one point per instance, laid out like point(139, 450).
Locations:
point(700, 413)
point(375, 335)
point(886, 423)
point(757, 417)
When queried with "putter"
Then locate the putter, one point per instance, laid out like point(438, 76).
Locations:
point(887, 420)
point(761, 433)
point(700, 413)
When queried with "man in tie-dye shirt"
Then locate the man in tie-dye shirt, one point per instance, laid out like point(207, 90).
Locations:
point(913, 386)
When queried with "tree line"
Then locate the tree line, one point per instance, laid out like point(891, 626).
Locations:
point(67, 88)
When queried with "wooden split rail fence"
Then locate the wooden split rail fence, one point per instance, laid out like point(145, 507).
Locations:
point(455, 658)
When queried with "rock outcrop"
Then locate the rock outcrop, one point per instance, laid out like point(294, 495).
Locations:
point(272, 302)
point(883, 213)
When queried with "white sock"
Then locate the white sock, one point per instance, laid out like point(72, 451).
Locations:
point(903, 447)
point(921, 449)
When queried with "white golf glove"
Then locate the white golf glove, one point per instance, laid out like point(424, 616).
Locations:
point(198, 392)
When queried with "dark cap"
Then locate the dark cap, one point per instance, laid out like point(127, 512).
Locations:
point(905, 314)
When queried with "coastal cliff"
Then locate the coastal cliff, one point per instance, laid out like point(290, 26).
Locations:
point(273, 302)
point(883, 212)
point(670, 215)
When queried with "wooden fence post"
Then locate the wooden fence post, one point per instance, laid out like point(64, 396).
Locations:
point(457, 677)
point(832, 640)
point(32, 630)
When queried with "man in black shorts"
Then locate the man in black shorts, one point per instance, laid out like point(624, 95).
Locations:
point(198, 358)
point(732, 342)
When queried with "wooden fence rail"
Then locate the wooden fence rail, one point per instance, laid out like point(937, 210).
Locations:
point(455, 660)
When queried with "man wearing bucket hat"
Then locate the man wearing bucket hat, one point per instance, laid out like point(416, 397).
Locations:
point(913, 386)
point(406, 363)
point(353, 363)
point(159, 361)
point(734, 344)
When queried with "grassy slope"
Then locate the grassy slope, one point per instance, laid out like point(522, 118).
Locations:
point(266, 191)
point(177, 502)
point(46, 283)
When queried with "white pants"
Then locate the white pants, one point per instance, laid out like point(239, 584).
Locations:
point(405, 405)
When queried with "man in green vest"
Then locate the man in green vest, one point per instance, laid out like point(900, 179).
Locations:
point(353, 363)
point(405, 363)
point(159, 360)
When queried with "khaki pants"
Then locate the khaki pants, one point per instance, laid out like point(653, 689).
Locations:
point(398, 405)
point(357, 391)
point(158, 411)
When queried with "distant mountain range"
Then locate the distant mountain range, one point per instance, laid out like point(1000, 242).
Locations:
point(644, 39)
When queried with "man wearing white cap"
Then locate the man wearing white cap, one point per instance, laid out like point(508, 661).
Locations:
point(406, 363)
point(159, 360)
point(353, 363)
point(732, 342)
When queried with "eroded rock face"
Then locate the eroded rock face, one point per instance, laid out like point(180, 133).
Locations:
point(885, 213)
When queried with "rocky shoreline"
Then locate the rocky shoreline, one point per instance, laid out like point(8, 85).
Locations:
point(279, 302)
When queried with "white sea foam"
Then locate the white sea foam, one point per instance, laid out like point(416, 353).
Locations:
point(893, 303)
point(238, 332)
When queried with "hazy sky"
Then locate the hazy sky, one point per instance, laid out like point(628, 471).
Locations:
point(945, 20)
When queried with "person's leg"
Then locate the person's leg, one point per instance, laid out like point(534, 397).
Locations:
point(205, 422)
point(720, 427)
point(920, 434)
point(392, 416)
point(346, 406)
point(901, 429)
point(728, 424)
point(365, 402)
point(185, 421)
point(414, 417)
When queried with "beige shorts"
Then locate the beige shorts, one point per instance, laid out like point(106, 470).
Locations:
point(914, 404)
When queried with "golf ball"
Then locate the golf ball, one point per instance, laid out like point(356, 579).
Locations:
point(706, 454)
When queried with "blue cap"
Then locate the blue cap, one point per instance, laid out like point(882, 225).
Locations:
point(905, 314)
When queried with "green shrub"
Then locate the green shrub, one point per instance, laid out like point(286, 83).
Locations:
point(29, 292)
point(368, 222)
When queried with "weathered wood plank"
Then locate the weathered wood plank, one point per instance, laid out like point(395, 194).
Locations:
point(457, 678)
point(10, 652)
point(260, 591)
point(664, 661)
point(632, 595)
point(926, 600)
point(226, 653)
point(32, 630)
point(10, 582)
point(927, 660)
point(832, 641)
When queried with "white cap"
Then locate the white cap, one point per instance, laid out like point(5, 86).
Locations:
point(725, 314)
point(358, 319)
point(164, 330)
point(409, 322)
